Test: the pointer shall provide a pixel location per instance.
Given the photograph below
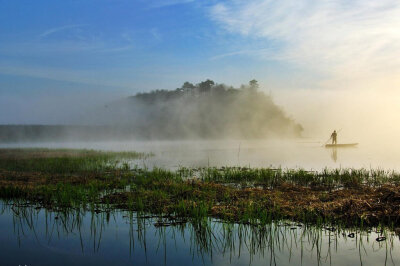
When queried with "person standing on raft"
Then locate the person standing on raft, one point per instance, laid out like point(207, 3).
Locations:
point(334, 137)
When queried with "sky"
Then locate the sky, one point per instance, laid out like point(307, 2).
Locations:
point(54, 53)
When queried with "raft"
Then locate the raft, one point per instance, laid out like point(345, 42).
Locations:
point(344, 145)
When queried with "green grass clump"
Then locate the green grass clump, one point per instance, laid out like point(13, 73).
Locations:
point(64, 161)
point(325, 179)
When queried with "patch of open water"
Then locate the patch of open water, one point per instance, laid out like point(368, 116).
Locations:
point(35, 236)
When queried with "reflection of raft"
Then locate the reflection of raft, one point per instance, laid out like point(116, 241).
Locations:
point(345, 145)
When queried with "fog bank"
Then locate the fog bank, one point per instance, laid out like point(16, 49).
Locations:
point(361, 114)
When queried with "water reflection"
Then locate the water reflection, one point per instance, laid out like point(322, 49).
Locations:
point(32, 235)
point(334, 154)
point(334, 151)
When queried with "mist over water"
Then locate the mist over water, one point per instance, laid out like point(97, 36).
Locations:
point(309, 154)
point(369, 118)
point(365, 115)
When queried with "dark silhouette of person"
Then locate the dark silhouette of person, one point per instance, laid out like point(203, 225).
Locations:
point(334, 137)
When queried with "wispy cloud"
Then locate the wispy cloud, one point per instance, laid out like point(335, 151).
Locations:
point(90, 77)
point(156, 34)
point(336, 36)
point(66, 44)
point(249, 52)
point(58, 29)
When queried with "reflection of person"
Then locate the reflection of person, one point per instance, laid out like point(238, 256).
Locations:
point(334, 154)
point(334, 137)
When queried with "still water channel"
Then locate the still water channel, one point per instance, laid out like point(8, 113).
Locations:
point(34, 236)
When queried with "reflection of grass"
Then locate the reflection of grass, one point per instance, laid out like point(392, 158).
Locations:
point(98, 180)
point(206, 238)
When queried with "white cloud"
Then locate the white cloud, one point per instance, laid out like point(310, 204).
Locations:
point(339, 37)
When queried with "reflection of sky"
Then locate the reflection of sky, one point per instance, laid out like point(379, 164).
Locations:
point(108, 242)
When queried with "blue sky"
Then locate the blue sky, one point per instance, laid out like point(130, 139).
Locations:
point(120, 47)
point(54, 53)
point(127, 45)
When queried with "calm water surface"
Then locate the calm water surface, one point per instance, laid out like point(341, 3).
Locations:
point(33, 236)
point(307, 154)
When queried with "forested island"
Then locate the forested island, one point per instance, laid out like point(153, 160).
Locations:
point(208, 110)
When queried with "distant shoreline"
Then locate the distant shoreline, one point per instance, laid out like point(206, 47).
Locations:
point(10, 133)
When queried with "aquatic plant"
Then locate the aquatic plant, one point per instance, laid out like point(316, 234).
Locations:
point(64, 161)
point(64, 179)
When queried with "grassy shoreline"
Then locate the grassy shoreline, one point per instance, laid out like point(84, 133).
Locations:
point(101, 181)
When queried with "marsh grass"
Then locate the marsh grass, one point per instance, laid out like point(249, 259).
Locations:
point(64, 161)
point(70, 179)
point(326, 179)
